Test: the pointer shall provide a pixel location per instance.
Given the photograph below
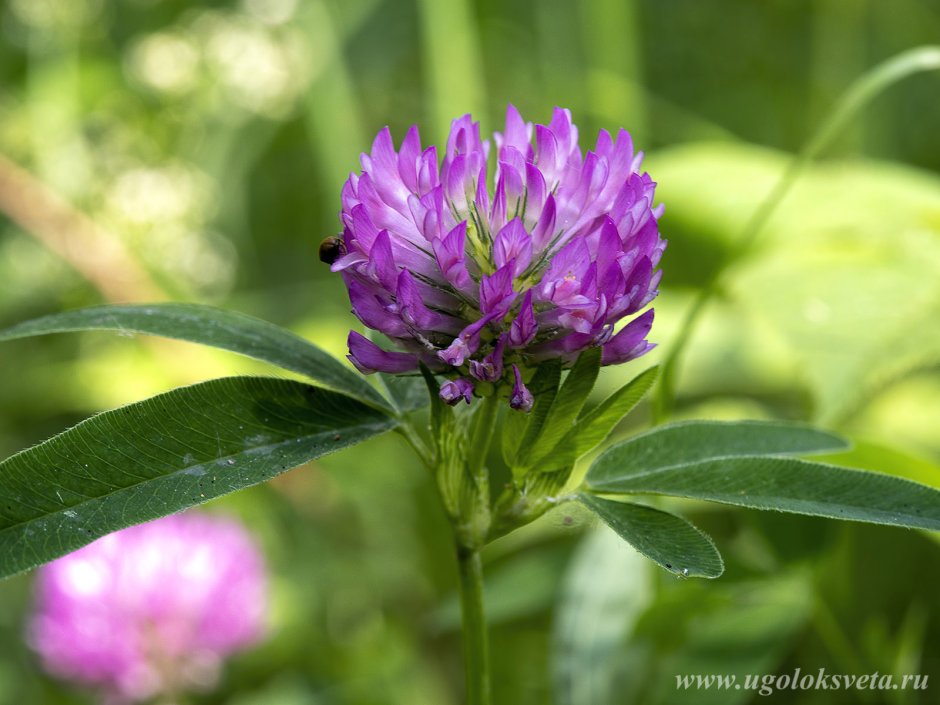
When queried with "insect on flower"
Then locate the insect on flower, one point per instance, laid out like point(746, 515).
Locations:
point(331, 249)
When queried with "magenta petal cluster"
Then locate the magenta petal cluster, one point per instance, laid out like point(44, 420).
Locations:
point(153, 609)
point(477, 276)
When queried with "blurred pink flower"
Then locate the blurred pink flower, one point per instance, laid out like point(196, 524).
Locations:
point(153, 609)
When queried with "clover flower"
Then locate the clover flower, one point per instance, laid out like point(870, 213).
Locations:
point(153, 609)
point(482, 285)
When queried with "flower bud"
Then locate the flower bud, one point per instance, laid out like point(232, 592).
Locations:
point(455, 390)
point(521, 398)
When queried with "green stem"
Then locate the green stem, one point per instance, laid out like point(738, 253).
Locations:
point(867, 87)
point(475, 640)
point(482, 427)
point(408, 432)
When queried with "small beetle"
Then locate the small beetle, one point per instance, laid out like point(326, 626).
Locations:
point(331, 249)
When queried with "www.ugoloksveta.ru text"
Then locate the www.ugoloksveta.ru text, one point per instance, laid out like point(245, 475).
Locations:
point(768, 683)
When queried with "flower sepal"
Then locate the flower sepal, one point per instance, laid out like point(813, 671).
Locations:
point(460, 440)
point(542, 481)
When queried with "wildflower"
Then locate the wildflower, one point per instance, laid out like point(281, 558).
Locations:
point(476, 282)
point(151, 610)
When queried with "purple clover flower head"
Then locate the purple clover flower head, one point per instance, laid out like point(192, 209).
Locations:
point(470, 276)
point(153, 609)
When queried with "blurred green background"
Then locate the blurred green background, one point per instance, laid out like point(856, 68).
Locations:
point(195, 151)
